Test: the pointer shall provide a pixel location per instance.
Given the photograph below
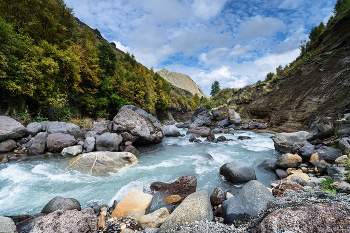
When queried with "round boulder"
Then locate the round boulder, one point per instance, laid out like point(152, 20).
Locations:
point(7, 145)
point(108, 142)
point(61, 203)
point(145, 127)
point(238, 172)
point(251, 200)
point(57, 141)
point(172, 131)
point(10, 129)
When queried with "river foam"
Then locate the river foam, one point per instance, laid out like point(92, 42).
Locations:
point(25, 187)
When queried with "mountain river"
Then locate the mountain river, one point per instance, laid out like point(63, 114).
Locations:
point(25, 187)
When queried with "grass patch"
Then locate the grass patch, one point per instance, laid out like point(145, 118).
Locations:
point(326, 186)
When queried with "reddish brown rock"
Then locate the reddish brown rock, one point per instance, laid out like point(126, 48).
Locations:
point(199, 131)
point(131, 149)
point(184, 186)
point(333, 217)
point(287, 185)
point(217, 197)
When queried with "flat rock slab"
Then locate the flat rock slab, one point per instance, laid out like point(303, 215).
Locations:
point(283, 142)
point(101, 162)
point(135, 203)
point(333, 217)
point(195, 207)
point(62, 221)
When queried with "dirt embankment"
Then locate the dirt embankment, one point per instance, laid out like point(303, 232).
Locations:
point(318, 87)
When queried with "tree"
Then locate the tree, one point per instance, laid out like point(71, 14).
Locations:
point(215, 88)
point(341, 6)
point(269, 76)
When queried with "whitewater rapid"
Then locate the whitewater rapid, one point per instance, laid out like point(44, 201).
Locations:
point(25, 187)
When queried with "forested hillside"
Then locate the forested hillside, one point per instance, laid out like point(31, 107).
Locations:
point(52, 68)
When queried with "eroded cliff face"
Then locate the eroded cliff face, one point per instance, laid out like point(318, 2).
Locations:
point(182, 81)
point(318, 87)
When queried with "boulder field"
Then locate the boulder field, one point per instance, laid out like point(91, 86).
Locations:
point(305, 162)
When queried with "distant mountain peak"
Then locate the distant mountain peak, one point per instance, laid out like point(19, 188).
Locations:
point(182, 81)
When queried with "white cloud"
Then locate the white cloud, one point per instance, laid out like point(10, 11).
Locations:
point(207, 9)
point(258, 26)
point(235, 42)
point(290, 4)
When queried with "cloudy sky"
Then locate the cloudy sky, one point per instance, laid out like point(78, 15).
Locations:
point(234, 42)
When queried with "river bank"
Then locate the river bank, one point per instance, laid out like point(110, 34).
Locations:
point(200, 152)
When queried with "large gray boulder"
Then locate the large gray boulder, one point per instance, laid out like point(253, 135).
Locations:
point(10, 129)
point(89, 144)
point(344, 145)
point(325, 154)
point(62, 127)
point(7, 145)
point(201, 120)
point(57, 141)
point(108, 142)
point(307, 151)
point(238, 172)
point(145, 127)
point(100, 127)
point(102, 162)
point(223, 123)
point(61, 203)
point(233, 117)
point(172, 131)
point(320, 129)
point(269, 165)
point(283, 142)
point(67, 221)
point(195, 207)
point(7, 225)
point(250, 201)
point(38, 144)
point(320, 217)
point(34, 128)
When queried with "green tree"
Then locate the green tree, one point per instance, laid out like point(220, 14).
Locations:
point(269, 76)
point(316, 32)
point(215, 88)
point(341, 6)
point(279, 70)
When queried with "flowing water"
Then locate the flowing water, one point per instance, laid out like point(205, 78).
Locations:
point(25, 187)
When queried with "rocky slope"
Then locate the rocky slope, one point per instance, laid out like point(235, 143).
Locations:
point(182, 81)
point(319, 86)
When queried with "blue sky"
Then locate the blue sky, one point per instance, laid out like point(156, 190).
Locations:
point(234, 42)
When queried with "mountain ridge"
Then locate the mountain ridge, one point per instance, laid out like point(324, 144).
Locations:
point(182, 81)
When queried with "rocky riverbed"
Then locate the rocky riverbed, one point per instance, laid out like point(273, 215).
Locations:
point(245, 194)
